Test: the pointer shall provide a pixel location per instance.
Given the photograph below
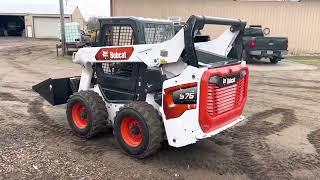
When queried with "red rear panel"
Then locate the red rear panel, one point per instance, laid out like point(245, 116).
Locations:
point(222, 103)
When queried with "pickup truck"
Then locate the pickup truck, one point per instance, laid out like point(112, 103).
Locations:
point(257, 46)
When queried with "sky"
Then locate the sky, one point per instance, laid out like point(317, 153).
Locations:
point(88, 8)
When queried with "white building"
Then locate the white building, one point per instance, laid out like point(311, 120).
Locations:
point(39, 21)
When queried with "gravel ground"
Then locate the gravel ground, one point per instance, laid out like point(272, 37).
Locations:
point(280, 139)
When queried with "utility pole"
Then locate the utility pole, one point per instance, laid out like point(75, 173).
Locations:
point(63, 37)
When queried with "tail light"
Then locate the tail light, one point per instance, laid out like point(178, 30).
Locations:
point(178, 99)
point(252, 43)
point(287, 44)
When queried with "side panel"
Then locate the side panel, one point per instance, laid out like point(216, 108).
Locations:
point(150, 54)
point(86, 76)
point(113, 108)
point(182, 130)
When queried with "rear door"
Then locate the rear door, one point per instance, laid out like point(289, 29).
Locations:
point(270, 43)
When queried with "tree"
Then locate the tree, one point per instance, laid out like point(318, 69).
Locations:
point(93, 23)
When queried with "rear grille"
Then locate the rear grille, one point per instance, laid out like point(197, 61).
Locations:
point(221, 100)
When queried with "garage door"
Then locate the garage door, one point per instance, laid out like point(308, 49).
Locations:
point(45, 27)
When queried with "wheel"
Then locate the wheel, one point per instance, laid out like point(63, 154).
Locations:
point(274, 60)
point(138, 129)
point(246, 57)
point(86, 113)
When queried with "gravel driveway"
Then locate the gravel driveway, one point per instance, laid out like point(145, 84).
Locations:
point(280, 139)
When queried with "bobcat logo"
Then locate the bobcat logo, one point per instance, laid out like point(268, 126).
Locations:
point(227, 81)
point(105, 54)
point(114, 53)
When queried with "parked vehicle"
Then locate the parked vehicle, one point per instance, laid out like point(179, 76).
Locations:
point(2, 31)
point(94, 37)
point(151, 85)
point(257, 45)
point(85, 38)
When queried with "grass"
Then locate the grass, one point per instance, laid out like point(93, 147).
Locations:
point(312, 60)
point(305, 59)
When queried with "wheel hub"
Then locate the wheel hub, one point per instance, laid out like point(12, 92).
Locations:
point(131, 131)
point(84, 114)
point(135, 130)
point(79, 115)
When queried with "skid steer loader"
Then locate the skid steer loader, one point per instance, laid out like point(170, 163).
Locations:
point(151, 85)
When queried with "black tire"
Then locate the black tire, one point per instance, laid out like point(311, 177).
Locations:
point(246, 57)
point(150, 127)
point(274, 60)
point(95, 114)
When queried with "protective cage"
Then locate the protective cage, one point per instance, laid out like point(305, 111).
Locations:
point(119, 35)
point(133, 30)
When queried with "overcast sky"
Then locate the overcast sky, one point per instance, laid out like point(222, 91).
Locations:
point(88, 7)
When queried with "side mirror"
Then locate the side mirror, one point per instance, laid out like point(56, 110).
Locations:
point(266, 31)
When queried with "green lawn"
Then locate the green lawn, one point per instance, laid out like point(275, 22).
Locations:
point(305, 59)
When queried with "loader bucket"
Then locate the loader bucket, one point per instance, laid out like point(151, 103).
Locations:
point(57, 91)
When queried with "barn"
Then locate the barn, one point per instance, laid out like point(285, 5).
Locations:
point(38, 21)
point(296, 19)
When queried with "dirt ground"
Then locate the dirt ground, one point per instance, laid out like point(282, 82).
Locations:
point(280, 139)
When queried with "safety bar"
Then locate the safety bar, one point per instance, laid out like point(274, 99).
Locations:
point(196, 23)
point(220, 21)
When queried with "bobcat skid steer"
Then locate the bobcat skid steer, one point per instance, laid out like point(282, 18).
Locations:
point(151, 85)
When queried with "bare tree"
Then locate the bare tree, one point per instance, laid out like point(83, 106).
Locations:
point(93, 23)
